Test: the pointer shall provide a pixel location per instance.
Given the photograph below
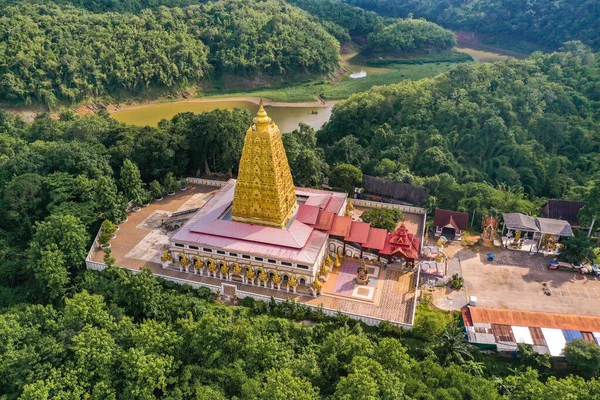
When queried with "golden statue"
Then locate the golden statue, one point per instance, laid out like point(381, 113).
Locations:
point(264, 192)
point(237, 270)
point(276, 278)
point(185, 261)
point(212, 267)
point(224, 268)
point(316, 284)
point(337, 262)
point(166, 256)
point(324, 271)
point(263, 276)
point(292, 282)
point(349, 208)
point(327, 262)
point(198, 264)
point(250, 273)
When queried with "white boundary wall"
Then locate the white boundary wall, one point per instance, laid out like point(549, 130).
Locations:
point(378, 204)
point(206, 182)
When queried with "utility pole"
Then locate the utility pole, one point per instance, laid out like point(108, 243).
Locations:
point(591, 226)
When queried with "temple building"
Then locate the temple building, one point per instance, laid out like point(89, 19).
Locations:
point(261, 230)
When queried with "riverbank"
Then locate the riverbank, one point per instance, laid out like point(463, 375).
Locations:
point(111, 109)
point(287, 115)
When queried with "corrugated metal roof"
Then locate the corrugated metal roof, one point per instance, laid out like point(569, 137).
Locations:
point(318, 200)
point(359, 232)
point(307, 214)
point(460, 220)
point(306, 255)
point(555, 340)
point(325, 221)
point(376, 239)
point(522, 334)
point(341, 226)
point(572, 335)
point(535, 319)
point(520, 222)
point(554, 227)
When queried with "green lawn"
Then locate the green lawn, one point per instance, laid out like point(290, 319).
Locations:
point(346, 87)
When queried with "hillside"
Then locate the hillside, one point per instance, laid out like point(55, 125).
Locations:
point(531, 124)
point(549, 23)
point(50, 53)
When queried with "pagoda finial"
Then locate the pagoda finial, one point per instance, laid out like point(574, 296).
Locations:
point(261, 120)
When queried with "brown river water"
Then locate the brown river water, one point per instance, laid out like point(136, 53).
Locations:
point(286, 116)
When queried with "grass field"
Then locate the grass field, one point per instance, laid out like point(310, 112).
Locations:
point(345, 87)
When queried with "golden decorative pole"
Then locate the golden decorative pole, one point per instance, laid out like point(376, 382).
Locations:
point(250, 275)
point(225, 270)
point(184, 262)
point(237, 270)
point(212, 267)
point(263, 277)
point(292, 283)
point(316, 286)
point(166, 258)
point(276, 279)
point(198, 265)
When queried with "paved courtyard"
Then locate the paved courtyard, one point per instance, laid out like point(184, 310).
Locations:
point(515, 280)
point(140, 240)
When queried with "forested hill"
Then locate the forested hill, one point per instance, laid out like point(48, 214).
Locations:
point(533, 124)
point(50, 53)
point(546, 22)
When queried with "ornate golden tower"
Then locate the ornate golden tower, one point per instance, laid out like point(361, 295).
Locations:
point(265, 192)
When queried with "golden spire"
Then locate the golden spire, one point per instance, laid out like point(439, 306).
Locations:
point(262, 120)
point(264, 192)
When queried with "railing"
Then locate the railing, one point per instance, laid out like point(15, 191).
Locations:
point(377, 204)
point(206, 182)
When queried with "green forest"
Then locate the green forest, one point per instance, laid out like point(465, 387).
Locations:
point(527, 129)
point(50, 53)
point(71, 51)
point(501, 136)
point(548, 23)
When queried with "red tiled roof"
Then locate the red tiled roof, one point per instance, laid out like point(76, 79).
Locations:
point(376, 239)
point(307, 214)
point(458, 220)
point(324, 221)
point(341, 226)
point(359, 232)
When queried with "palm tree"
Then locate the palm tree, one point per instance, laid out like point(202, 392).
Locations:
point(452, 346)
point(577, 250)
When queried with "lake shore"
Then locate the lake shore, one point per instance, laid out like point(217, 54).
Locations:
point(217, 99)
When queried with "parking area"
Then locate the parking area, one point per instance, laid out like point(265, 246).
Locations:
point(519, 281)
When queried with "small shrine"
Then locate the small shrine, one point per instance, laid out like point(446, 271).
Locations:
point(489, 227)
point(405, 245)
point(362, 274)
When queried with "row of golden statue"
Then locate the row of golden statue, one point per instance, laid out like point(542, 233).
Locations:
point(250, 274)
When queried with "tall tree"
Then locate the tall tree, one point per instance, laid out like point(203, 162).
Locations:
point(131, 182)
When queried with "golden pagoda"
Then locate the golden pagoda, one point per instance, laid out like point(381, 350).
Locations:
point(265, 192)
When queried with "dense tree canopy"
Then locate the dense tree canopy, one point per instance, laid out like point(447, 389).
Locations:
point(530, 126)
point(50, 53)
point(546, 22)
point(409, 36)
point(130, 336)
